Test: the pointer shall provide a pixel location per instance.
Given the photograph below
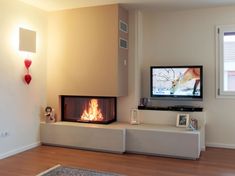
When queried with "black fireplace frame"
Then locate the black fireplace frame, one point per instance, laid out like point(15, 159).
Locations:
point(62, 99)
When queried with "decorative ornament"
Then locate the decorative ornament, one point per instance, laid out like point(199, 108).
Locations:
point(27, 63)
point(27, 78)
point(49, 114)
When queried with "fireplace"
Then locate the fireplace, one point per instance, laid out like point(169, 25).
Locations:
point(88, 109)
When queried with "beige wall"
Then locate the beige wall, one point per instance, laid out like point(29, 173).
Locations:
point(188, 38)
point(83, 54)
point(131, 101)
point(122, 55)
point(21, 104)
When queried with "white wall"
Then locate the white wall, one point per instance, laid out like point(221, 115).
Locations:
point(188, 38)
point(20, 104)
point(170, 38)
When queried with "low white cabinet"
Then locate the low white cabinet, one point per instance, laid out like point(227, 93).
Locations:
point(163, 140)
point(84, 136)
point(168, 118)
point(166, 140)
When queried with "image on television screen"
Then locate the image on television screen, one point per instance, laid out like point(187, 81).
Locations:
point(176, 81)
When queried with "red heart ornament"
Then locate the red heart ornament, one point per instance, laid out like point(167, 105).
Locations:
point(27, 63)
point(27, 78)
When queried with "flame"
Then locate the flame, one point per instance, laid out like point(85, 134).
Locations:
point(93, 113)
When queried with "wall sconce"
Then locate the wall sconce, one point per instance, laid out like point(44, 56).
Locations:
point(27, 43)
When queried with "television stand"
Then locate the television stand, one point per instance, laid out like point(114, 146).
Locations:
point(185, 108)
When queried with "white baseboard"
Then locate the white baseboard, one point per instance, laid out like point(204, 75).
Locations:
point(219, 145)
point(19, 150)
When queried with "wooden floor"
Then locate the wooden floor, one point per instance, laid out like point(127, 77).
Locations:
point(213, 162)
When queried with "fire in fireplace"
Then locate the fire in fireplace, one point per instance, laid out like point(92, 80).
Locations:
point(92, 112)
point(88, 109)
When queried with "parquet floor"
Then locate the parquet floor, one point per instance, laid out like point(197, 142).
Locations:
point(213, 162)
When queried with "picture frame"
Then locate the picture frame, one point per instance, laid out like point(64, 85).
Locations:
point(182, 120)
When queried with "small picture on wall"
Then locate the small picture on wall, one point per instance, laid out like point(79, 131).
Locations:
point(182, 120)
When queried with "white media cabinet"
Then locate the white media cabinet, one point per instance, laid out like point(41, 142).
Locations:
point(161, 137)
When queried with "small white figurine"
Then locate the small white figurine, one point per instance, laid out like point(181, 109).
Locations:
point(50, 114)
point(193, 124)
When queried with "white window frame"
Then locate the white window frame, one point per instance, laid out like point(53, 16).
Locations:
point(220, 30)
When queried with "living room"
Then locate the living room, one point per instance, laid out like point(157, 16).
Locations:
point(177, 34)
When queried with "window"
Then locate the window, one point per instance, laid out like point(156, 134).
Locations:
point(226, 61)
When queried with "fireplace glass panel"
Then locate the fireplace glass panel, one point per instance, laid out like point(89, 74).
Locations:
point(90, 109)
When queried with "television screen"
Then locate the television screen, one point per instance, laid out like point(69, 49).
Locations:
point(176, 82)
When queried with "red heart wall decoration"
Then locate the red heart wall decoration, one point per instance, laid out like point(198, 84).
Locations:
point(27, 78)
point(27, 63)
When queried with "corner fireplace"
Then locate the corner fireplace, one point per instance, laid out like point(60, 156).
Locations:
point(88, 109)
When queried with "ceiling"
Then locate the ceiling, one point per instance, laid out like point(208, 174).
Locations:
point(53, 5)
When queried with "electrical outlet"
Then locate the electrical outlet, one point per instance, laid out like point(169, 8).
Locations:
point(4, 134)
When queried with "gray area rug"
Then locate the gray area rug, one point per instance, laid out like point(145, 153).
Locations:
point(59, 170)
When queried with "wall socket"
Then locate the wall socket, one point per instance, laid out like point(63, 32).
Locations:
point(4, 134)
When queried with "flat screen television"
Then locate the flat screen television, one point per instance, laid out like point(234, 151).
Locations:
point(176, 82)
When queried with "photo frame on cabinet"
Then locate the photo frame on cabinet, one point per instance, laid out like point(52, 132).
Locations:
point(182, 120)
